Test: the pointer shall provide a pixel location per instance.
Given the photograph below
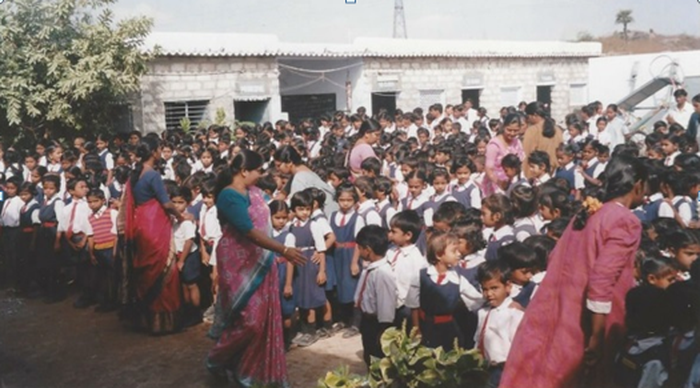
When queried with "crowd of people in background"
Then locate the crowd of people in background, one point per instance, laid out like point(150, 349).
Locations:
point(564, 252)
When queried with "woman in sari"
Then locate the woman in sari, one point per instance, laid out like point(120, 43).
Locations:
point(574, 326)
point(506, 142)
point(248, 321)
point(147, 226)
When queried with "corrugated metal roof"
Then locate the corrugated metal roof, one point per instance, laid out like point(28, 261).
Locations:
point(244, 45)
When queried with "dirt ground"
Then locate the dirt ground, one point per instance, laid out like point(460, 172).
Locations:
point(57, 346)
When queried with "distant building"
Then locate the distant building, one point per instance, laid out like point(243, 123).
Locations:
point(258, 78)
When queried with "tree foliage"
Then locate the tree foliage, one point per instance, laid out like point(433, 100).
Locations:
point(625, 18)
point(66, 66)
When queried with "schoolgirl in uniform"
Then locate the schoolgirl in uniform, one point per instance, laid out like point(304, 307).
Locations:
point(440, 291)
point(539, 165)
point(465, 190)
point(415, 200)
point(29, 228)
point(382, 192)
point(9, 220)
point(566, 155)
point(48, 242)
point(440, 181)
point(279, 213)
point(497, 213)
point(366, 208)
point(527, 223)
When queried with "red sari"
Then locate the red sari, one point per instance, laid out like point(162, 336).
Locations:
point(248, 322)
point(594, 264)
point(154, 277)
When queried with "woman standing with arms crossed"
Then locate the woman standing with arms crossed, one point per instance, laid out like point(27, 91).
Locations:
point(248, 322)
point(574, 326)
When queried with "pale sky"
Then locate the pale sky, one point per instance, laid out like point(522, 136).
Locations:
point(333, 21)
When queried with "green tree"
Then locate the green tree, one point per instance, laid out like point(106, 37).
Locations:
point(625, 18)
point(66, 65)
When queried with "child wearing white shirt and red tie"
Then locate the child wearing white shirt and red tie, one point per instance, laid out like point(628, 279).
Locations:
point(9, 221)
point(498, 319)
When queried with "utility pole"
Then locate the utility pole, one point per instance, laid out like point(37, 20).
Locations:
point(399, 21)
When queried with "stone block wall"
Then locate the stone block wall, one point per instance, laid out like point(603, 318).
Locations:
point(173, 79)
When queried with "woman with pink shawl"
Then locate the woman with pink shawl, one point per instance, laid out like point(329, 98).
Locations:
point(574, 325)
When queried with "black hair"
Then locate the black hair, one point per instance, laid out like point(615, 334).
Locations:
point(539, 109)
point(365, 185)
point(622, 173)
point(267, 183)
point(277, 206)
point(462, 162)
point(680, 93)
point(472, 232)
point(558, 226)
point(440, 172)
point(246, 160)
point(346, 187)
point(543, 246)
point(375, 238)
point(208, 188)
point(492, 270)
point(408, 221)
point(437, 244)
point(512, 161)
point(70, 185)
point(52, 178)
point(679, 240)
point(524, 200)
point(288, 154)
point(27, 187)
point(179, 191)
point(318, 196)
point(656, 265)
point(383, 184)
point(341, 172)
point(144, 151)
point(499, 203)
point(373, 165)
point(449, 212)
point(540, 158)
point(301, 199)
point(517, 255)
point(97, 193)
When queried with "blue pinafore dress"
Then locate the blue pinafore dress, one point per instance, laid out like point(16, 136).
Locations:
point(438, 304)
point(287, 304)
point(342, 258)
point(308, 294)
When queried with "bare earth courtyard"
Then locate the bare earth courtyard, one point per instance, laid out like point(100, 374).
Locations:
point(58, 346)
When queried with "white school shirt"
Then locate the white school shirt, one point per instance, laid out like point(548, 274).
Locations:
point(359, 222)
point(537, 279)
point(289, 241)
point(314, 149)
point(169, 171)
point(390, 212)
point(668, 162)
point(536, 182)
point(681, 115)
point(377, 284)
point(471, 297)
point(317, 234)
point(53, 167)
point(412, 131)
point(183, 231)
point(373, 217)
point(11, 209)
point(475, 199)
point(522, 235)
point(224, 155)
point(407, 263)
point(580, 181)
point(35, 213)
point(109, 159)
point(617, 131)
point(402, 189)
point(604, 138)
point(321, 222)
point(428, 213)
point(500, 330)
point(592, 128)
point(81, 220)
point(43, 161)
point(473, 259)
point(209, 223)
point(666, 211)
point(415, 204)
point(497, 235)
point(57, 207)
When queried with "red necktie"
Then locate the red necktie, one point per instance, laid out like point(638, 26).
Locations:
point(440, 278)
point(493, 237)
point(24, 208)
point(69, 231)
point(362, 289)
point(342, 220)
point(204, 224)
point(409, 204)
point(395, 259)
point(480, 346)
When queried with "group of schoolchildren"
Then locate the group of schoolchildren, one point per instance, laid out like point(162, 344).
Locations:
point(414, 242)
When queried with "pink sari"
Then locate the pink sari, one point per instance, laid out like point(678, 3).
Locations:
point(248, 324)
point(496, 150)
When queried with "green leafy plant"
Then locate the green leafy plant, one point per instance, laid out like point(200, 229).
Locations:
point(408, 364)
point(185, 124)
point(220, 117)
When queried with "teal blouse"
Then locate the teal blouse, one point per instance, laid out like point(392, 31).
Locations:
point(232, 207)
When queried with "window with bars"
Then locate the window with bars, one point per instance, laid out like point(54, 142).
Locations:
point(430, 97)
point(176, 111)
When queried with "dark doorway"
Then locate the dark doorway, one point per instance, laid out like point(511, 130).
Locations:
point(306, 106)
point(252, 111)
point(385, 101)
point(544, 95)
point(473, 95)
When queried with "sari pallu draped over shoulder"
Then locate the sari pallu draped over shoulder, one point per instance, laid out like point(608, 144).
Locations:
point(248, 323)
point(154, 279)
